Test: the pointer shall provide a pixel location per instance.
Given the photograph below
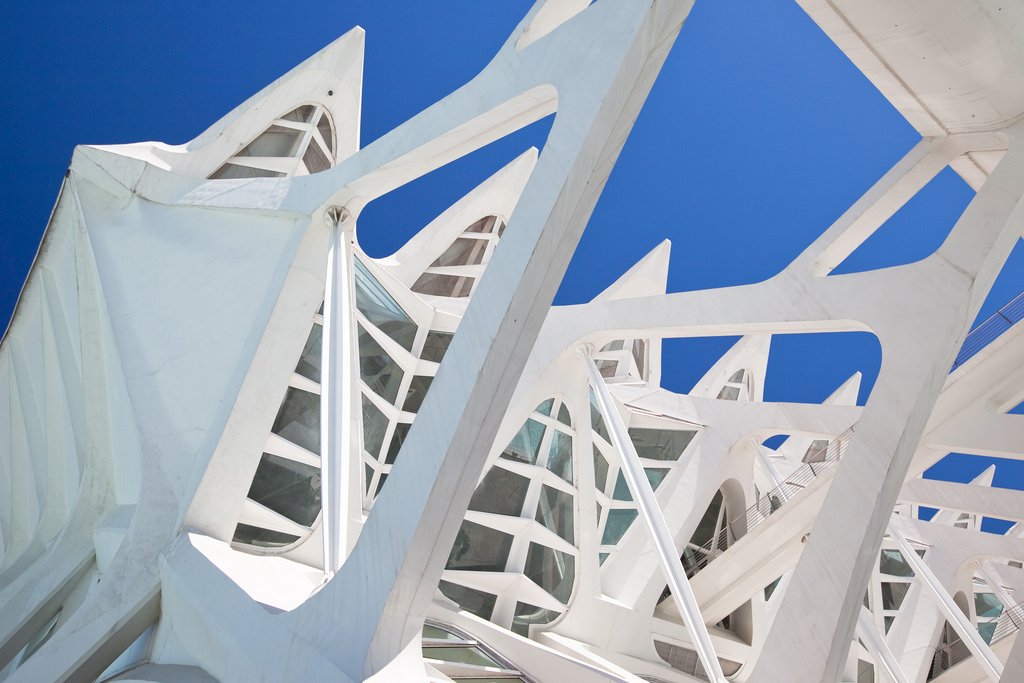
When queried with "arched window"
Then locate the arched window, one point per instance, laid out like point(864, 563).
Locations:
point(454, 273)
point(299, 143)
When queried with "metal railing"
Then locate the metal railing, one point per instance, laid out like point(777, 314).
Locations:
point(951, 654)
point(985, 333)
point(815, 463)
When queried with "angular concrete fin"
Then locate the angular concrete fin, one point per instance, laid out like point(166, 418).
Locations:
point(751, 354)
point(846, 394)
point(985, 478)
point(647, 277)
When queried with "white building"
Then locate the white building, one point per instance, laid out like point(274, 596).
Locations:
point(211, 468)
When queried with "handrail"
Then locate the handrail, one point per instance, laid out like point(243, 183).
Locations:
point(816, 462)
point(985, 333)
point(951, 654)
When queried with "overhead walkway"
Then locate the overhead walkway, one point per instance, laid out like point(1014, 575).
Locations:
point(985, 333)
point(953, 663)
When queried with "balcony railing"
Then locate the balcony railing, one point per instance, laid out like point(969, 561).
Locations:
point(985, 333)
point(951, 654)
point(816, 462)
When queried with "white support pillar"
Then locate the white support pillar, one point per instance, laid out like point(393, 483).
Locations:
point(961, 624)
point(871, 636)
point(988, 572)
point(336, 391)
point(650, 512)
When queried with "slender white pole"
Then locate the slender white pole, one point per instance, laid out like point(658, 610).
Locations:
point(336, 390)
point(868, 632)
point(643, 494)
point(961, 624)
point(768, 466)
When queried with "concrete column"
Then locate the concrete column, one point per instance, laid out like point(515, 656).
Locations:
point(336, 390)
point(650, 512)
point(965, 629)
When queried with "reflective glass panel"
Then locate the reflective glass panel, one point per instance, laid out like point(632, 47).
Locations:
point(563, 415)
point(417, 392)
point(892, 562)
point(375, 424)
point(525, 445)
point(640, 355)
point(527, 614)
point(436, 345)
point(235, 172)
point(544, 408)
point(473, 601)
point(309, 361)
point(288, 488)
point(729, 393)
point(401, 431)
point(501, 492)
point(893, 594)
point(315, 159)
point(660, 444)
point(462, 252)
point(482, 225)
point(437, 284)
point(706, 528)
point(621, 491)
point(655, 477)
point(555, 511)
point(479, 548)
point(301, 114)
point(275, 142)
point(298, 419)
point(560, 455)
point(552, 570)
point(596, 420)
point(600, 470)
point(326, 132)
point(263, 538)
point(615, 526)
point(462, 655)
point(987, 605)
point(379, 370)
point(381, 309)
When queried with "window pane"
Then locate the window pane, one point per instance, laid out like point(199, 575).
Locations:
point(616, 525)
point(729, 393)
point(435, 284)
point(526, 443)
point(375, 424)
point(462, 252)
point(479, 548)
point(892, 562)
point(379, 370)
point(544, 408)
point(660, 444)
point(483, 225)
point(275, 142)
point(309, 361)
point(621, 491)
point(655, 477)
point(616, 345)
point(555, 511)
point(563, 415)
point(301, 114)
point(315, 159)
point(560, 455)
point(401, 431)
point(462, 655)
point(501, 492)
point(706, 528)
point(235, 172)
point(987, 630)
point(596, 419)
point(473, 601)
point(263, 538)
point(737, 377)
point(893, 594)
point(987, 605)
point(600, 470)
point(552, 570)
point(324, 126)
point(640, 355)
point(436, 345)
point(298, 420)
point(417, 392)
point(381, 309)
point(527, 614)
point(288, 488)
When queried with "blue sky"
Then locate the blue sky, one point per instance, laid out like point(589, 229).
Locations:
point(758, 134)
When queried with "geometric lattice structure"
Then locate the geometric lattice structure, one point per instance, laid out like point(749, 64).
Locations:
point(235, 447)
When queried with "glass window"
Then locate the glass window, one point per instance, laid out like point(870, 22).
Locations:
point(315, 159)
point(660, 444)
point(708, 523)
point(527, 614)
point(621, 491)
point(417, 392)
point(893, 594)
point(436, 345)
point(473, 601)
point(544, 407)
point(563, 415)
point(616, 525)
point(379, 370)
point(552, 570)
point(437, 284)
point(560, 455)
point(655, 477)
point(298, 419)
point(987, 630)
point(276, 141)
point(737, 377)
point(888, 622)
point(485, 224)
point(263, 538)
point(235, 172)
point(817, 451)
point(596, 420)
point(555, 511)
point(437, 633)
point(640, 355)
point(770, 588)
point(501, 492)
point(461, 655)
point(462, 252)
point(987, 605)
point(309, 361)
point(607, 368)
point(375, 425)
point(369, 477)
point(479, 548)
point(891, 562)
point(865, 672)
point(600, 470)
point(381, 309)
point(303, 114)
point(401, 431)
point(326, 131)
point(380, 483)
point(729, 393)
point(616, 345)
point(288, 488)
point(525, 445)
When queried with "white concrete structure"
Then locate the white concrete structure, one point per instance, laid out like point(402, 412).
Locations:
point(172, 370)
